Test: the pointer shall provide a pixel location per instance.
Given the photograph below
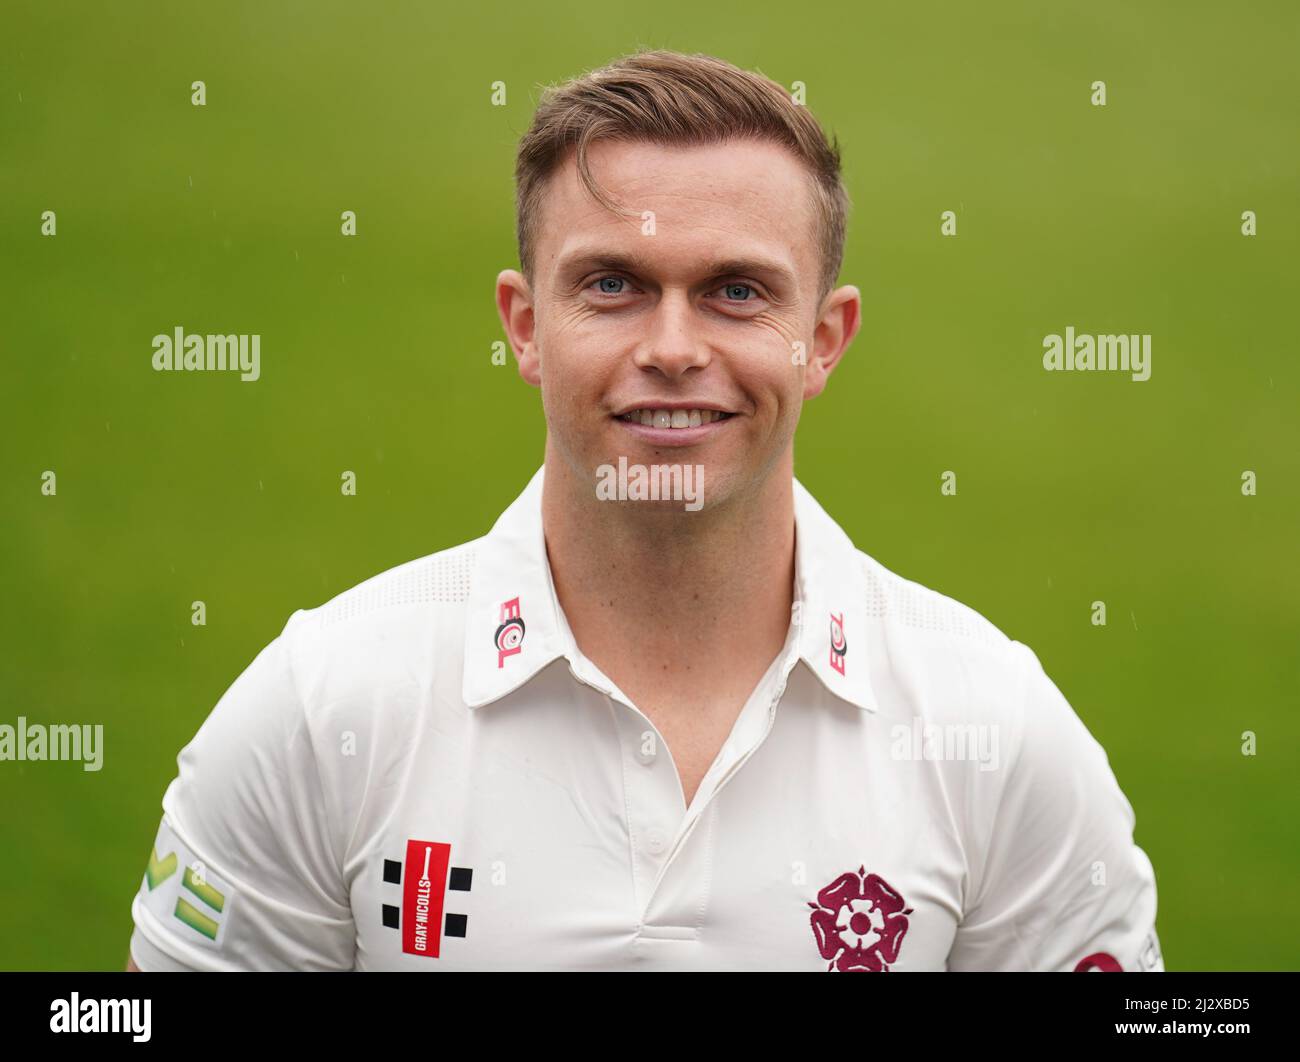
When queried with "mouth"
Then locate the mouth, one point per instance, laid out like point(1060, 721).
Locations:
point(673, 419)
point(660, 427)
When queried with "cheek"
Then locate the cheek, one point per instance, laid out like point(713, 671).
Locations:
point(777, 385)
point(570, 384)
point(571, 340)
point(778, 363)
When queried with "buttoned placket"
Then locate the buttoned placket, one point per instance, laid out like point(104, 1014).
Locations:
point(660, 827)
point(671, 847)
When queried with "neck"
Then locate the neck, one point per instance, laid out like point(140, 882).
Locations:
point(657, 596)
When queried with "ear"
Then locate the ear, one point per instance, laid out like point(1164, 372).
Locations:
point(515, 307)
point(841, 316)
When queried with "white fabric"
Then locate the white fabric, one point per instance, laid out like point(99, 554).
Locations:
point(390, 715)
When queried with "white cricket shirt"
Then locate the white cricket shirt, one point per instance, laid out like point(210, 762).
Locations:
point(426, 773)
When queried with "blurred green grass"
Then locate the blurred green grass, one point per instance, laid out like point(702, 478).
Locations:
point(375, 358)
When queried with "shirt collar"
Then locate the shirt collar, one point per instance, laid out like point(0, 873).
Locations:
point(514, 626)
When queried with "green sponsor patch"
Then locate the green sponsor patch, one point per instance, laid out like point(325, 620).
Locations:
point(202, 889)
point(159, 870)
point(196, 919)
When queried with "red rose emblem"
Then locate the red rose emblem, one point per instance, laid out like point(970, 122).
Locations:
point(1100, 960)
point(859, 921)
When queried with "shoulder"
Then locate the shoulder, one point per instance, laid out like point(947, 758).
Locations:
point(342, 663)
point(940, 661)
point(923, 612)
point(943, 659)
point(399, 628)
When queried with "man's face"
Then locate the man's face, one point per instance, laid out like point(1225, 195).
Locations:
point(701, 309)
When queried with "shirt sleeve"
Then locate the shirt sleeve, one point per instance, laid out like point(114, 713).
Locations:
point(244, 871)
point(1063, 885)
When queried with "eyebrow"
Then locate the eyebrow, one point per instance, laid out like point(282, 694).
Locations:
point(582, 261)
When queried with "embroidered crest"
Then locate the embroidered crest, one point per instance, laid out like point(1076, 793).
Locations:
point(1099, 961)
point(859, 921)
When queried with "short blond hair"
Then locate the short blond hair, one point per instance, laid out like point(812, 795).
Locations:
point(674, 99)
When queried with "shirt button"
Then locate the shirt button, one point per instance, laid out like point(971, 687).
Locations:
point(655, 840)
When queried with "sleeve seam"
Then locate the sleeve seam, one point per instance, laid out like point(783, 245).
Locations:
point(291, 654)
point(1022, 702)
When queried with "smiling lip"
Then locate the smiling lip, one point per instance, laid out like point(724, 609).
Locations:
point(661, 436)
point(670, 406)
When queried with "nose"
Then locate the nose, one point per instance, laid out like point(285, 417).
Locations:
point(673, 344)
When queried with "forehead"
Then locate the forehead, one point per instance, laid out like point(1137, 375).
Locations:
point(731, 200)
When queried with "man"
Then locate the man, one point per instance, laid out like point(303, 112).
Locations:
point(664, 715)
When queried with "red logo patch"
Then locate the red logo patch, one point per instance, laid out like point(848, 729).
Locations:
point(509, 637)
point(421, 880)
point(859, 921)
point(422, 896)
point(839, 647)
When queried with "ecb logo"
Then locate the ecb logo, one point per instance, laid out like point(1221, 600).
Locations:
point(509, 637)
point(839, 647)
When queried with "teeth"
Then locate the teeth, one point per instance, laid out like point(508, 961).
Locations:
point(673, 418)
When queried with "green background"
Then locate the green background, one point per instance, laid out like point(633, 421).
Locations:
point(376, 358)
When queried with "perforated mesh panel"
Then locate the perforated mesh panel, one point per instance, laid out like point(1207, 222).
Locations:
point(918, 606)
point(441, 577)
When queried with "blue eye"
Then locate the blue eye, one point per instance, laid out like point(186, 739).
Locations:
point(618, 283)
point(731, 290)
